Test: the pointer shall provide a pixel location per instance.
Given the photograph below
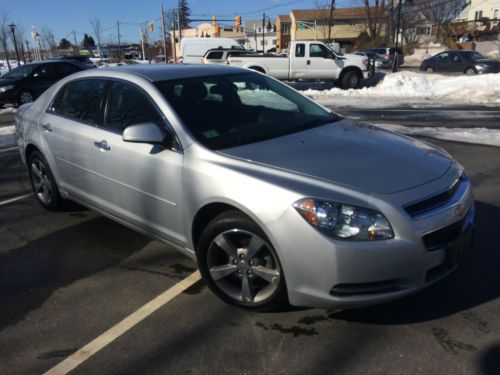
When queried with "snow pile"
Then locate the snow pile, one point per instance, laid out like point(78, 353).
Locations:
point(404, 87)
point(481, 136)
point(8, 110)
point(7, 136)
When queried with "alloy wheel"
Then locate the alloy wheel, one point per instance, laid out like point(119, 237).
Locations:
point(41, 183)
point(25, 97)
point(243, 266)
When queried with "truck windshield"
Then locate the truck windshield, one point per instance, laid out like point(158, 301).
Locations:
point(229, 110)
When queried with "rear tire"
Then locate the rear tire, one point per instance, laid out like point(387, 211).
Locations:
point(429, 70)
point(351, 80)
point(25, 96)
point(239, 264)
point(43, 183)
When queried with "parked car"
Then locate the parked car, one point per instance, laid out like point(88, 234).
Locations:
point(220, 55)
point(380, 61)
point(25, 83)
point(467, 62)
point(192, 50)
point(389, 54)
point(309, 60)
point(277, 198)
point(76, 58)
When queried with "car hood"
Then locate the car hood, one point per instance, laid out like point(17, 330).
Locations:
point(352, 154)
point(7, 81)
point(487, 61)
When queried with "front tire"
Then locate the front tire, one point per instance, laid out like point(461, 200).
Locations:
point(43, 183)
point(25, 96)
point(470, 71)
point(239, 264)
point(351, 80)
point(429, 70)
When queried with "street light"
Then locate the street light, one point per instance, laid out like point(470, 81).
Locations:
point(13, 29)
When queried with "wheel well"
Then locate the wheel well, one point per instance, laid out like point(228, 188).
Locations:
point(29, 149)
point(349, 69)
point(470, 67)
point(205, 215)
point(257, 69)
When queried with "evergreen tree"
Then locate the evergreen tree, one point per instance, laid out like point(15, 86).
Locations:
point(88, 42)
point(64, 44)
point(184, 12)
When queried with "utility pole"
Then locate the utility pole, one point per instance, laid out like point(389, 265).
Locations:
point(28, 48)
point(174, 52)
point(179, 26)
point(263, 31)
point(330, 21)
point(74, 39)
point(142, 43)
point(13, 30)
point(396, 57)
point(119, 42)
point(163, 32)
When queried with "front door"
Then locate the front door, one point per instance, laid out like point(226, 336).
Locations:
point(322, 63)
point(138, 182)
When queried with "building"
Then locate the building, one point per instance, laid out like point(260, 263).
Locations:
point(475, 10)
point(283, 31)
point(259, 37)
point(313, 24)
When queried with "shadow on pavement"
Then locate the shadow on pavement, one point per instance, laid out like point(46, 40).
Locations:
point(474, 283)
point(32, 272)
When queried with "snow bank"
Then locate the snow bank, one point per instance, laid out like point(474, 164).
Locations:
point(7, 136)
point(481, 136)
point(7, 110)
point(417, 87)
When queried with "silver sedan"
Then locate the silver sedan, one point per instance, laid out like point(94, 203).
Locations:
point(277, 198)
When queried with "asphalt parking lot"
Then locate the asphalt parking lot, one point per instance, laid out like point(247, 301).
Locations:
point(65, 278)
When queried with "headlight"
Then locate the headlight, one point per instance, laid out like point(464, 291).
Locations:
point(344, 222)
point(480, 65)
point(6, 88)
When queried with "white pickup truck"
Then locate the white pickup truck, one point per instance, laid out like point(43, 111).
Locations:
point(309, 60)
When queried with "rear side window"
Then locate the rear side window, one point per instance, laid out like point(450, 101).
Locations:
point(128, 105)
point(82, 100)
point(45, 71)
point(300, 50)
point(65, 69)
point(215, 55)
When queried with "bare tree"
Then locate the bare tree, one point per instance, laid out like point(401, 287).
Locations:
point(4, 35)
point(376, 17)
point(95, 23)
point(49, 40)
point(440, 13)
point(20, 34)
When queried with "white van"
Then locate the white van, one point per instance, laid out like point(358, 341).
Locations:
point(193, 49)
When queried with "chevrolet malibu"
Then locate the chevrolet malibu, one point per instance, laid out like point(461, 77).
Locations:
point(278, 199)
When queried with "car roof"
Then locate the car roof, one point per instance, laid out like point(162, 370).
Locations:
point(163, 72)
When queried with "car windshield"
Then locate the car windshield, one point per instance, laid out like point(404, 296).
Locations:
point(225, 111)
point(19, 72)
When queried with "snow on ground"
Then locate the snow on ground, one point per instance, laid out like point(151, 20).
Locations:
point(480, 136)
point(408, 87)
point(7, 136)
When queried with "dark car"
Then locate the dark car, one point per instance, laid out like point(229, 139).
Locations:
point(467, 62)
point(27, 82)
point(77, 59)
point(389, 53)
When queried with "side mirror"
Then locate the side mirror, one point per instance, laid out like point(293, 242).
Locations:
point(147, 132)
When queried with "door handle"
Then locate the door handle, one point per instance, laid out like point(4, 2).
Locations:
point(47, 127)
point(308, 62)
point(103, 145)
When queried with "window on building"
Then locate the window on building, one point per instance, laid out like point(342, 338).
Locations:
point(478, 15)
point(285, 27)
point(496, 14)
point(274, 42)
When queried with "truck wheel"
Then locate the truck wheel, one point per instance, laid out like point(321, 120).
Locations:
point(351, 80)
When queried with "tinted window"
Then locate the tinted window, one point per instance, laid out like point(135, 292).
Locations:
point(443, 56)
point(455, 57)
point(57, 102)
point(45, 71)
point(300, 50)
point(318, 50)
point(82, 100)
point(66, 69)
point(128, 106)
point(19, 72)
point(215, 55)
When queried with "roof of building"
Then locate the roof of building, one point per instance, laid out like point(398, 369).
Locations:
point(319, 14)
point(285, 18)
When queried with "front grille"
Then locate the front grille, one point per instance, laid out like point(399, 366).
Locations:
point(436, 239)
point(386, 286)
point(435, 201)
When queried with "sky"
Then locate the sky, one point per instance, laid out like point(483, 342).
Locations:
point(64, 16)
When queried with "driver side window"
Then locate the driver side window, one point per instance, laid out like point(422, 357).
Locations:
point(126, 106)
point(318, 50)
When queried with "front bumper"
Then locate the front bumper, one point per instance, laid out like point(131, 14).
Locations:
point(327, 273)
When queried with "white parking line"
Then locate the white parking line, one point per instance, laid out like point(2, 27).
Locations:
point(8, 149)
point(119, 329)
point(12, 200)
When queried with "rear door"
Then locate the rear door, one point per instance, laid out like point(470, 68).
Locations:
point(67, 128)
point(298, 61)
point(441, 63)
point(138, 182)
point(43, 77)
